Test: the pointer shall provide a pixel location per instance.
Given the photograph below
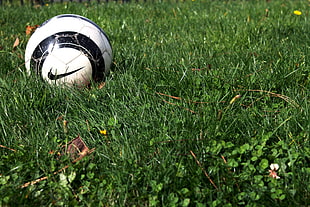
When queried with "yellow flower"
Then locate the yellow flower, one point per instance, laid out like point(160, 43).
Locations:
point(103, 132)
point(297, 12)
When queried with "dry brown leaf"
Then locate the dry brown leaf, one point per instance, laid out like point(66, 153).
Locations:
point(30, 29)
point(101, 85)
point(16, 43)
point(77, 149)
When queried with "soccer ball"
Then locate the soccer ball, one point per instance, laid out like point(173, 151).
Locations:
point(69, 49)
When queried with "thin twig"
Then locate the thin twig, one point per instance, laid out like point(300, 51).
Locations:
point(58, 171)
point(285, 98)
point(204, 171)
point(43, 178)
point(189, 101)
point(7, 148)
point(187, 109)
point(174, 97)
point(180, 140)
point(225, 161)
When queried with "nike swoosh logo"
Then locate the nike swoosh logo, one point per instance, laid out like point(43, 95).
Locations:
point(51, 76)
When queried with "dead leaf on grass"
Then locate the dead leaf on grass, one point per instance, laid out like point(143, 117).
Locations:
point(16, 43)
point(77, 149)
point(101, 85)
point(30, 29)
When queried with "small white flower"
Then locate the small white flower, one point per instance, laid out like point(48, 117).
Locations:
point(274, 166)
point(272, 173)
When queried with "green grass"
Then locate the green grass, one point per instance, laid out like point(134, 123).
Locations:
point(172, 128)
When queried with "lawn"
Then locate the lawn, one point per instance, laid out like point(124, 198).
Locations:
point(202, 98)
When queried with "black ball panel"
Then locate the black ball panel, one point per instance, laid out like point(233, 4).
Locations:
point(71, 40)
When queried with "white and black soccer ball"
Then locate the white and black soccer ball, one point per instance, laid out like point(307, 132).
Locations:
point(69, 49)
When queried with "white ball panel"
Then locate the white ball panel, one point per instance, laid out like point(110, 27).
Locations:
point(70, 65)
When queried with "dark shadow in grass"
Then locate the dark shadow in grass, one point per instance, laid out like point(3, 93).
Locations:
point(293, 33)
point(123, 63)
